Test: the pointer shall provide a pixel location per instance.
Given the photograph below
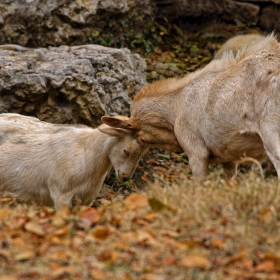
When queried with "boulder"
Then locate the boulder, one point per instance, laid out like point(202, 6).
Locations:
point(270, 18)
point(69, 84)
point(37, 23)
point(261, 1)
point(224, 9)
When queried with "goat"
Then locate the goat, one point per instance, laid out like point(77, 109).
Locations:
point(237, 43)
point(218, 114)
point(56, 164)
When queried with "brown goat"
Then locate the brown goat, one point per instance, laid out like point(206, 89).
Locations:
point(218, 114)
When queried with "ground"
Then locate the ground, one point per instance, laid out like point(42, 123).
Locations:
point(160, 225)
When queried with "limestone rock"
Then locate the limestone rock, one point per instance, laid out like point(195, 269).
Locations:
point(270, 18)
point(225, 9)
point(261, 1)
point(62, 22)
point(69, 84)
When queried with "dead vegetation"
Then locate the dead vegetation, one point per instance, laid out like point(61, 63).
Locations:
point(183, 230)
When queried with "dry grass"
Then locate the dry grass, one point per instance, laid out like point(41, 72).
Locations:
point(215, 230)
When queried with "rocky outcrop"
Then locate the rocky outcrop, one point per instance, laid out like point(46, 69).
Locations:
point(39, 23)
point(224, 9)
point(270, 18)
point(36, 23)
point(69, 84)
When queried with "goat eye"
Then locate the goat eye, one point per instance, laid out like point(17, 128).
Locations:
point(142, 140)
point(126, 152)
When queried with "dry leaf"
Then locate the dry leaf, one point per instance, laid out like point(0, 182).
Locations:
point(107, 256)
point(35, 228)
point(7, 277)
point(105, 202)
point(4, 254)
point(242, 254)
point(98, 274)
point(60, 271)
point(63, 230)
point(151, 217)
point(57, 221)
point(6, 199)
point(116, 221)
point(92, 215)
point(136, 200)
point(271, 256)
point(218, 243)
point(195, 261)
point(64, 212)
point(101, 232)
point(265, 266)
point(157, 205)
point(169, 260)
point(25, 255)
point(5, 213)
point(152, 277)
point(140, 221)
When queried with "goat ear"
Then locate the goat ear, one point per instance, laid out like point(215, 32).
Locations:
point(120, 122)
point(111, 130)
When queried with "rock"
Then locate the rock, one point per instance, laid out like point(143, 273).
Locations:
point(225, 9)
point(64, 22)
point(261, 1)
point(69, 84)
point(270, 18)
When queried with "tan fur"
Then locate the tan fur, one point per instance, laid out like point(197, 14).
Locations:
point(219, 114)
point(237, 43)
point(61, 164)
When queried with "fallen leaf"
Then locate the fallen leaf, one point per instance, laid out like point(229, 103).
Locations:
point(152, 277)
point(60, 271)
point(145, 178)
point(6, 199)
point(265, 266)
point(25, 255)
point(271, 256)
point(57, 221)
point(157, 205)
point(241, 255)
point(116, 221)
point(4, 254)
point(110, 194)
point(64, 212)
point(218, 243)
point(105, 202)
point(136, 200)
point(35, 228)
point(63, 230)
point(140, 222)
point(151, 216)
point(169, 260)
point(5, 213)
point(107, 256)
point(101, 232)
point(7, 277)
point(92, 215)
point(98, 274)
point(195, 261)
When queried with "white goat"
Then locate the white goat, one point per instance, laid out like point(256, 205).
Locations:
point(61, 164)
